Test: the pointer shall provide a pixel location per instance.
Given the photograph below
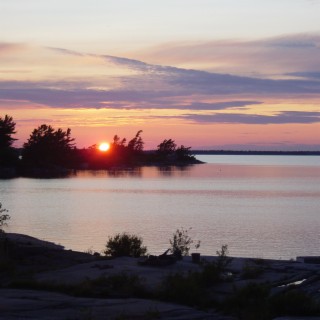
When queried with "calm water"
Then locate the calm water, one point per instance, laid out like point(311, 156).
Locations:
point(261, 206)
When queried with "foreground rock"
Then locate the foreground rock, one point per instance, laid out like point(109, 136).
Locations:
point(113, 284)
point(30, 304)
point(33, 262)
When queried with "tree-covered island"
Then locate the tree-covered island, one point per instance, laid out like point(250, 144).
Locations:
point(52, 152)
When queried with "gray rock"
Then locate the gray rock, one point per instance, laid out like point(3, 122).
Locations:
point(29, 304)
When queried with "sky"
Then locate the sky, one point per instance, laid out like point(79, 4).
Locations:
point(210, 74)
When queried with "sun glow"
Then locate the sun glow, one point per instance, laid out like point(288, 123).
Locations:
point(104, 146)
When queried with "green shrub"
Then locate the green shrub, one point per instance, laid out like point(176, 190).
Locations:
point(125, 285)
point(3, 218)
point(120, 285)
point(213, 270)
point(183, 288)
point(294, 303)
point(249, 302)
point(255, 301)
point(223, 259)
point(210, 274)
point(181, 242)
point(250, 271)
point(125, 244)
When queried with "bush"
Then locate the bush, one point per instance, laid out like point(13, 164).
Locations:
point(183, 288)
point(294, 303)
point(223, 259)
point(249, 302)
point(118, 285)
point(3, 218)
point(125, 244)
point(250, 271)
point(213, 271)
point(210, 273)
point(181, 242)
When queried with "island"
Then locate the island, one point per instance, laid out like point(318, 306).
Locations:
point(51, 152)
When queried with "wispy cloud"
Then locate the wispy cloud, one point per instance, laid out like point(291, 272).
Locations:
point(280, 118)
point(153, 86)
point(6, 47)
point(306, 75)
point(213, 106)
point(66, 51)
point(130, 63)
point(270, 56)
point(211, 82)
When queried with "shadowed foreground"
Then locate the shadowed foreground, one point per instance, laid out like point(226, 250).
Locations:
point(41, 280)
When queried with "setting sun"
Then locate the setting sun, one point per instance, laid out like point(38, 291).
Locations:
point(104, 146)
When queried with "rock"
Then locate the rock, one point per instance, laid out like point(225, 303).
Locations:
point(40, 305)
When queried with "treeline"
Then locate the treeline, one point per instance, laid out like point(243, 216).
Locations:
point(53, 151)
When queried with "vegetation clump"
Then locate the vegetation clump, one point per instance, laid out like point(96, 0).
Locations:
point(181, 242)
point(256, 301)
point(223, 260)
point(4, 217)
point(193, 288)
point(167, 151)
point(249, 302)
point(125, 244)
point(182, 288)
point(7, 130)
point(119, 285)
point(251, 271)
point(294, 303)
point(47, 146)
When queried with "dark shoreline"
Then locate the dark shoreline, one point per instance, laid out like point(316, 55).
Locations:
point(262, 153)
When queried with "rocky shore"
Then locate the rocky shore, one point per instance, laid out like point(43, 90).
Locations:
point(41, 280)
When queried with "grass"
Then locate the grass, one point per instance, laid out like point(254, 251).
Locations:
point(122, 285)
point(254, 301)
point(251, 271)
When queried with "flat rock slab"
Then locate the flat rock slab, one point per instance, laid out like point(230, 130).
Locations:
point(23, 239)
point(29, 304)
point(151, 276)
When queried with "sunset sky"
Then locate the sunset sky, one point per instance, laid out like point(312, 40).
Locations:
point(231, 74)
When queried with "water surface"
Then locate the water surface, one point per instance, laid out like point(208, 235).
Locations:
point(261, 206)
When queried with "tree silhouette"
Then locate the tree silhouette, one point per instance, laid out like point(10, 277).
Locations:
point(136, 144)
point(184, 154)
point(166, 148)
point(47, 146)
point(123, 153)
point(7, 129)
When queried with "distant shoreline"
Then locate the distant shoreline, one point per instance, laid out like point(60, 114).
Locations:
point(262, 153)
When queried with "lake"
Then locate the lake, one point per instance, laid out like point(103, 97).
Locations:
point(261, 206)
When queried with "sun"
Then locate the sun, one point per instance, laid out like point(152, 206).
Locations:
point(104, 146)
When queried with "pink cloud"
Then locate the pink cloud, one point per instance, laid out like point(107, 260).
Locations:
point(270, 56)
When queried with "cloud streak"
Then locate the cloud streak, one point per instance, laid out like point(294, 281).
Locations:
point(6, 47)
point(280, 118)
point(153, 86)
point(270, 56)
point(216, 83)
